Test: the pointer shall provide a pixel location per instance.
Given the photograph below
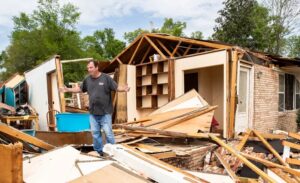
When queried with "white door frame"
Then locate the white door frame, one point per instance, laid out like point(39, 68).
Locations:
point(242, 65)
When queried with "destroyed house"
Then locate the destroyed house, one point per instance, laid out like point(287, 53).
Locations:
point(251, 89)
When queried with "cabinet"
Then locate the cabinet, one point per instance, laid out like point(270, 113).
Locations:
point(152, 84)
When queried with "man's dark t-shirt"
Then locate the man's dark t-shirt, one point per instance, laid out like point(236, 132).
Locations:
point(99, 91)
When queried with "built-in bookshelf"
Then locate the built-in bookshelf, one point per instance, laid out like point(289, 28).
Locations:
point(152, 84)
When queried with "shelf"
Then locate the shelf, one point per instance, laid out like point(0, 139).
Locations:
point(152, 84)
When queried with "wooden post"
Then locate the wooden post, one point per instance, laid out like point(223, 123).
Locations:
point(60, 84)
point(233, 90)
point(171, 79)
point(271, 149)
point(121, 105)
point(11, 158)
point(243, 159)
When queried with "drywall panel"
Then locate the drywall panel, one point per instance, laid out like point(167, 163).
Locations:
point(131, 95)
point(212, 79)
point(200, 61)
point(38, 94)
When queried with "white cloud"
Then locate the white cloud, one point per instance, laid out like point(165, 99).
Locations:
point(198, 14)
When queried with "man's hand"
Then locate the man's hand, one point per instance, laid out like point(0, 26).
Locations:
point(124, 88)
point(63, 89)
point(12, 109)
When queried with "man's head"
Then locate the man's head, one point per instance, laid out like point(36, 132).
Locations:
point(92, 68)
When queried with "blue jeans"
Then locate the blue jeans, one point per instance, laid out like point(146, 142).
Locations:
point(97, 123)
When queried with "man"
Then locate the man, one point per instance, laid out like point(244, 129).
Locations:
point(99, 86)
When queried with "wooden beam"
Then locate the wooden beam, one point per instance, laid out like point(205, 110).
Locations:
point(293, 161)
point(145, 54)
point(187, 50)
point(135, 51)
point(185, 118)
point(155, 47)
point(227, 167)
point(163, 46)
point(11, 158)
point(243, 159)
point(271, 164)
point(60, 84)
point(161, 164)
point(176, 48)
point(164, 132)
point(130, 45)
point(120, 62)
point(191, 41)
point(171, 80)
point(24, 137)
point(291, 145)
point(269, 147)
point(294, 135)
point(233, 90)
point(283, 175)
point(244, 140)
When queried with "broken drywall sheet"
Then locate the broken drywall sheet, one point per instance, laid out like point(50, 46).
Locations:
point(59, 166)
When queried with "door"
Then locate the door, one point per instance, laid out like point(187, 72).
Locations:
point(242, 117)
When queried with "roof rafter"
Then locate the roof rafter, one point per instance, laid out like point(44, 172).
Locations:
point(196, 42)
point(155, 47)
point(176, 48)
point(163, 46)
point(135, 51)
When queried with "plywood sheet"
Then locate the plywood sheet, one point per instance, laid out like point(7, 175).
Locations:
point(110, 174)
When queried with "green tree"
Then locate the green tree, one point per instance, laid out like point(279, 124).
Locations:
point(197, 35)
point(47, 31)
point(285, 14)
point(293, 46)
point(130, 36)
point(244, 23)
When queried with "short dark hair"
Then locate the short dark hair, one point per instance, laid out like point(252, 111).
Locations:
point(96, 64)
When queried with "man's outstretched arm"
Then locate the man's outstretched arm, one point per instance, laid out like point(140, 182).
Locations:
point(76, 89)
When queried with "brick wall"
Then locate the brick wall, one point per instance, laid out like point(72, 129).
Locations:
point(265, 113)
point(192, 160)
point(287, 121)
point(266, 117)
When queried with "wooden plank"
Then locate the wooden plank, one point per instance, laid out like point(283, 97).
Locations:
point(283, 175)
point(176, 48)
point(60, 84)
point(293, 161)
point(294, 135)
point(111, 173)
point(120, 62)
point(244, 140)
point(243, 159)
point(271, 164)
point(121, 106)
point(24, 137)
point(291, 145)
point(64, 138)
point(11, 158)
point(269, 147)
point(181, 101)
point(233, 90)
point(164, 155)
point(187, 50)
point(191, 41)
point(145, 54)
point(163, 46)
point(171, 80)
point(227, 167)
point(188, 117)
point(135, 51)
point(155, 47)
point(162, 164)
point(164, 132)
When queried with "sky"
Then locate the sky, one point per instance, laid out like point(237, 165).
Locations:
point(122, 15)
